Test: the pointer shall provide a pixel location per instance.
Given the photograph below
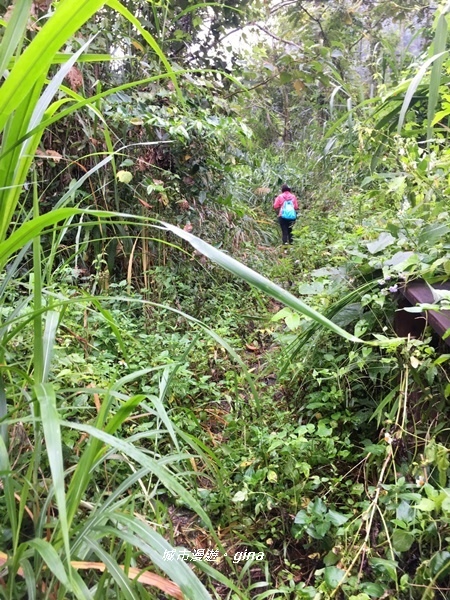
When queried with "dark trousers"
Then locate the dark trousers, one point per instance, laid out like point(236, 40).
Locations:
point(286, 229)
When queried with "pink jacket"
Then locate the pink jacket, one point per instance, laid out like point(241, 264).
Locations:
point(279, 201)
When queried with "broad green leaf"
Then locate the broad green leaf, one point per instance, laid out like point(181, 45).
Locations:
point(293, 321)
point(383, 241)
point(426, 505)
point(385, 566)
point(310, 289)
point(124, 176)
point(440, 564)
point(337, 518)
point(240, 496)
point(374, 590)
point(433, 232)
point(333, 576)
point(402, 540)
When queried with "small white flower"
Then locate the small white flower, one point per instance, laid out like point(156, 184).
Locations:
point(388, 438)
point(420, 481)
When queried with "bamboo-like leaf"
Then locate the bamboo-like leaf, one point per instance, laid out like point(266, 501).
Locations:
point(439, 44)
point(413, 87)
point(110, 320)
point(51, 559)
point(122, 581)
point(67, 18)
point(120, 8)
point(165, 477)
point(139, 534)
point(14, 32)
point(20, 160)
point(30, 578)
point(45, 395)
point(3, 412)
point(262, 283)
point(51, 325)
point(62, 57)
point(8, 487)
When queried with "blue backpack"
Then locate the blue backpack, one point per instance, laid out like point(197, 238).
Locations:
point(288, 211)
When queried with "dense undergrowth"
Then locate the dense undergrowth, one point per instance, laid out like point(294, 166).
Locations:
point(333, 467)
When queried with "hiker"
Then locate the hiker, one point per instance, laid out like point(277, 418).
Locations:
point(286, 204)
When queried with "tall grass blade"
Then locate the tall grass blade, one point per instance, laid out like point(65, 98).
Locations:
point(67, 18)
point(3, 411)
point(53, 86)
point(14, 33)
point(30, 229)
point(30, 578)
point(46, 398)
point(100, 513)
point(439, 45)
point(123, 10)
point(8, 487)
point(51, 559)
point(122, 581)
point(19, 161)
point(262, 283)
point(415, 82)
point(51, 325)
point(38, 351)
point(154, 546)
point(161, 472)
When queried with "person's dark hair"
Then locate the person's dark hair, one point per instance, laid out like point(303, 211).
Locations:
point(285, 188)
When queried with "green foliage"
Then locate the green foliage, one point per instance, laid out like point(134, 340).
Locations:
point(299, 426)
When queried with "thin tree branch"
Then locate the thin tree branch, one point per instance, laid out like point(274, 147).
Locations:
point(278, 7)
point(275, 37)
point(233, 31)
point(251, 88)
point(319, 23)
